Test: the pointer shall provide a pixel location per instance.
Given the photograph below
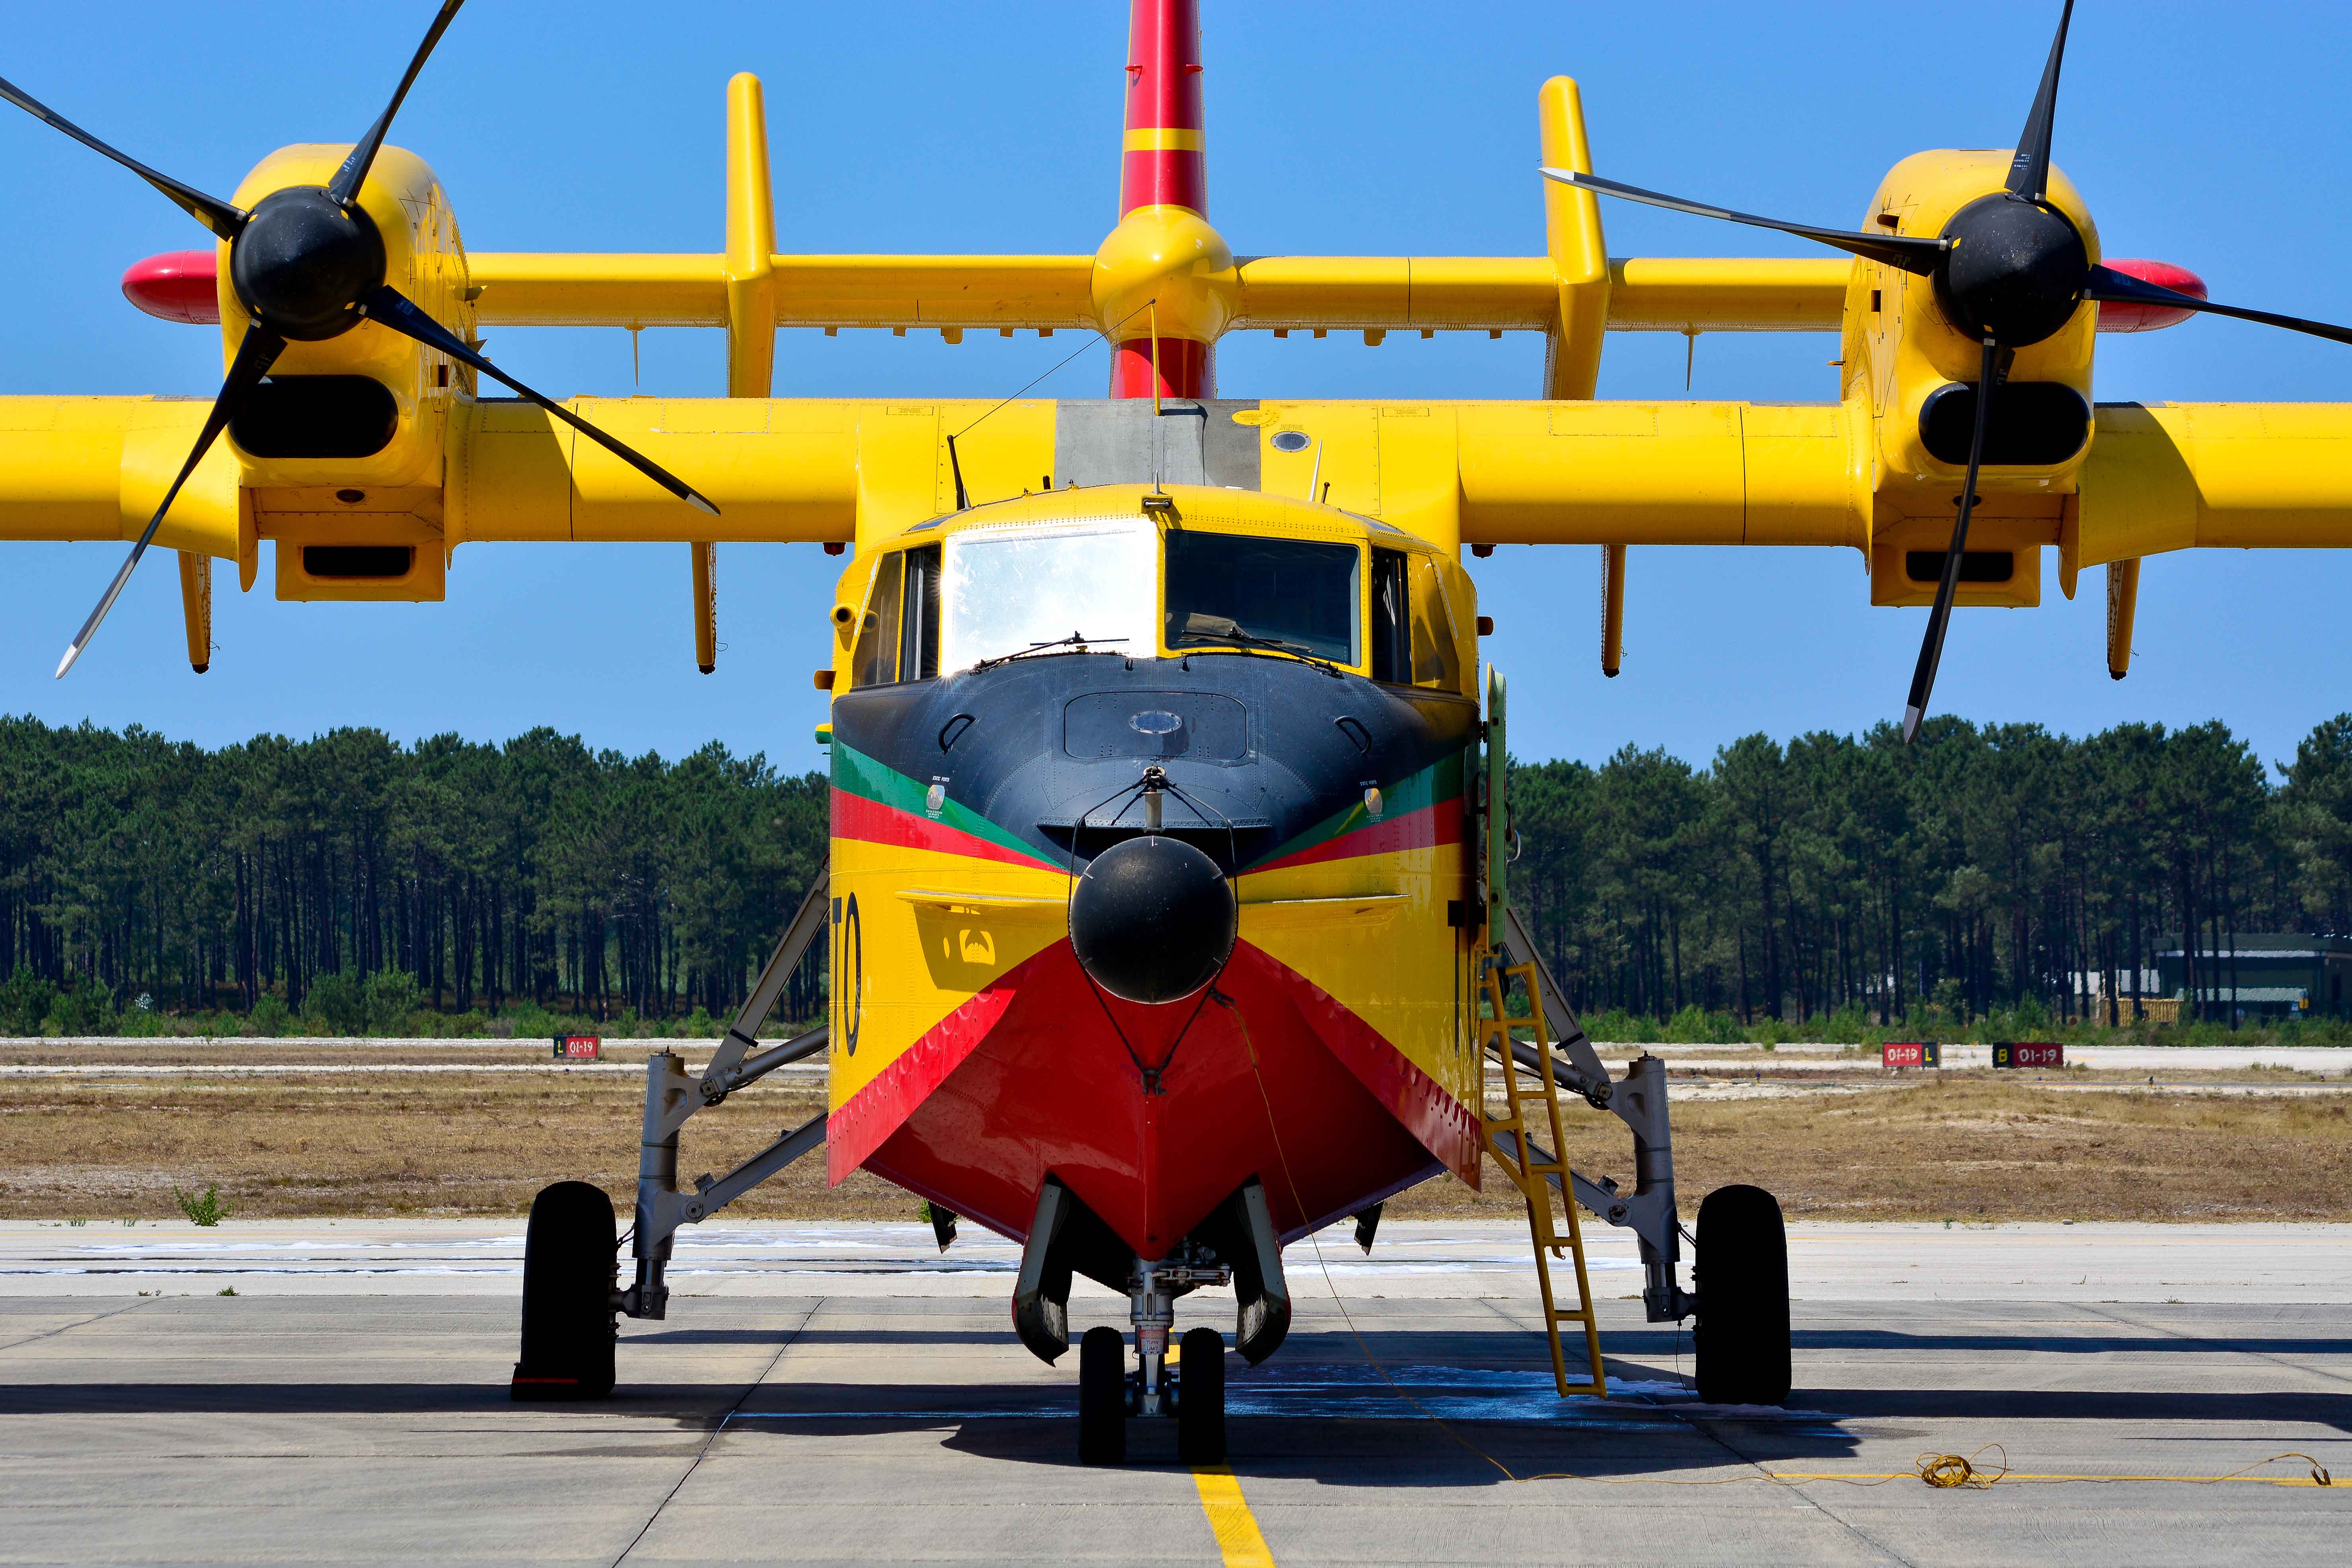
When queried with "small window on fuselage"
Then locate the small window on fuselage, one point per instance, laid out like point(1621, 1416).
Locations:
point(918, 639)
point(1436, 647)
point(875, 660)
point(1392, 618)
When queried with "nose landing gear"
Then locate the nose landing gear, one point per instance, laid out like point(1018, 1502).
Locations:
point(1192, 1390)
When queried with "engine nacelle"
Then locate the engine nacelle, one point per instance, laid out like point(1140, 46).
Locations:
point(344, 446)
point(1918, 374)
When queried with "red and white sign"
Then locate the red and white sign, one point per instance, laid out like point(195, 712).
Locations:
point(2018, 1054)
point(1917, 1054)
point(579, 1047)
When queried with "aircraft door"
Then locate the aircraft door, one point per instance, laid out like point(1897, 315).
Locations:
point(1494, 821)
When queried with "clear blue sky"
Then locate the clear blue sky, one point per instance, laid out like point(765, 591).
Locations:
point(2195, 132)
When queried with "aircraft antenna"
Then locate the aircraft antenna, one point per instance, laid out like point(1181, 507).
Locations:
point(963, 501)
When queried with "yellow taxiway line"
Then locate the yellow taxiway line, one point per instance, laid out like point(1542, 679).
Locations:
point(1239, 1544)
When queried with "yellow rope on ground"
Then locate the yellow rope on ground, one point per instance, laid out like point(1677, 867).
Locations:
point(1946, 1470)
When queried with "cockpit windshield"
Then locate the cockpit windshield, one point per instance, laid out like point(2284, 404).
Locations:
point(1098, 585)
point(1009, 593)
point(1290, 594)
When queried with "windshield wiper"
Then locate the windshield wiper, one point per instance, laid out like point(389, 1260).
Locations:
point(1219, 629)
point(1077, 642)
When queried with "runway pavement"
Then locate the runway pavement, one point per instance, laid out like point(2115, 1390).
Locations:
point(844, 1394)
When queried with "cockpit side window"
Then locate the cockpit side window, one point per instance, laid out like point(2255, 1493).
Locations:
point(1436, 647)
point(875, 660)
point(918, 640)
point(1392, 646)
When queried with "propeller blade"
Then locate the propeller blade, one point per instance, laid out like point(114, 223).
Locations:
point(2123, 288)
point(255, 356)
point(220, 217)
point(387, 306)
point(2028, 173)
point(1910, 252)
point(1931, 651)
point(345, 186)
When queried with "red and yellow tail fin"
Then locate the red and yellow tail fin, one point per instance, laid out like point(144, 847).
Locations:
point(1162, 163)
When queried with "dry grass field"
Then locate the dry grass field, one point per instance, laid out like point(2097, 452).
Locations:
point(1968, 1146)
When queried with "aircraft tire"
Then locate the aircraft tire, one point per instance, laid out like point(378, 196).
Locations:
point(1742, 1278)
point(568, 1328)
point(1102, 1397)
point(1200, 1398)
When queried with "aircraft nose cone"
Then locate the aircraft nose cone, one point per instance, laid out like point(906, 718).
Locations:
point(1152, 920)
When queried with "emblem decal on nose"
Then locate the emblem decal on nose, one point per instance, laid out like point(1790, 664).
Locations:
point(1157, 721)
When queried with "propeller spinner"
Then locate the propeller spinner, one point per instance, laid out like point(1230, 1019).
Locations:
point(2009, 269)
point(308, 265)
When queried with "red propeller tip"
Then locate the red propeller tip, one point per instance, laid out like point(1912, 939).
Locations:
point(177, 286)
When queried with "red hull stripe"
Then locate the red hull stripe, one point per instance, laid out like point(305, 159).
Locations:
point(871, 822)
point(858, 775)
point(875, 1112)
point(1422, 829)
point(1436, 784)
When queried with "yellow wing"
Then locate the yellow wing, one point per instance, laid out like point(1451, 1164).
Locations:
point(380, 519)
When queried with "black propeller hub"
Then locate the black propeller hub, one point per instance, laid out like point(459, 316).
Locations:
point(304, 260)
point(2015, 272)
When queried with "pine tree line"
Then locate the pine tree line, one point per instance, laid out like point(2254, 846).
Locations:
point(354, 878)
point(534, 872)
point(1978, 871)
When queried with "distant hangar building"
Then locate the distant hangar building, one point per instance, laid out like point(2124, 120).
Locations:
point(2262, 974)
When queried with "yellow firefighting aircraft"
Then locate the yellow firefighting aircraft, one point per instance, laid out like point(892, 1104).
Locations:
point(1167, 912)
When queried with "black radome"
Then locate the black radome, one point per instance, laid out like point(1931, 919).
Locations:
point(1152, 920)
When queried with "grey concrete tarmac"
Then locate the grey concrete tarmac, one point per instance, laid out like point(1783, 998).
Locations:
point(839, 1397)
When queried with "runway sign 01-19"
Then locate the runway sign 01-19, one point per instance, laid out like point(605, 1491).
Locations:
point(1920, 1054)
point(2014, 1055)
point(578, 1048)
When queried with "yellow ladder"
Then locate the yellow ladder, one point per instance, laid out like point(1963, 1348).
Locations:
point(1541, 1179)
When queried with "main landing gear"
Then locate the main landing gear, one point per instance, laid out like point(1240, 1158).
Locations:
point(1742, 1279)
point(570, 1256)
point(1739, 1292)
point(569, 1260)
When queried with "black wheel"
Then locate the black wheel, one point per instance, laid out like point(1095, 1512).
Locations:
point(1102, 1397)
point(1742, 1276)
point(569, 1256)
point(1200, 1398)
